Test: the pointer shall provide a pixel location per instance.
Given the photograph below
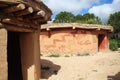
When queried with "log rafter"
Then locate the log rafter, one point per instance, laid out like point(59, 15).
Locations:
point(18, 23)
point(23, 9)
point(15, 28)
point(22, 16)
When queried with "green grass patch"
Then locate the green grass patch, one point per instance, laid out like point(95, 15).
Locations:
point(85, 54)
point(67, 56)
point(54, 55)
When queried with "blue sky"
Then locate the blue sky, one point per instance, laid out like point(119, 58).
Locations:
point(101, 8)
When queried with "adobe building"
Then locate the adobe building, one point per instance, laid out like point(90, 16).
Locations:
point(73, 38)
point(20, 22)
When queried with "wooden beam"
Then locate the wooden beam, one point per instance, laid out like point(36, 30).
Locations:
point(14, 8)
point(14, 22)
point(3, 5)
point(18, 23)
point(24, 12)
point(1, 26)
point(18, 29)
point(39, 14)
point(8, 2)
point(73, 27)
point(15, 28)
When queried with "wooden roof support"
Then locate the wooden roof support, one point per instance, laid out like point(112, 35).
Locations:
point(15, 28)
point(3, 5)
point(14, 22)
point(18, 23)
point(39, 14)
point(1, 25)
point(29, 10)
point(14, 8)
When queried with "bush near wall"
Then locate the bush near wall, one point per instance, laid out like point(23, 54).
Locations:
point(118, 42)
point(113, 45)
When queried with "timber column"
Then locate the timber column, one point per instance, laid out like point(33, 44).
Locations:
point(30, 55)
point(3, 54)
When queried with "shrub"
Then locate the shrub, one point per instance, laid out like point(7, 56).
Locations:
point(84, 54)
point(113, 45)
point(54, 55)
point(67, 56)
point(118, 42)
point(78, 54)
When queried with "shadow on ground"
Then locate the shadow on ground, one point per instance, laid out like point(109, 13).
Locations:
point(114, 77)
point(48, 69)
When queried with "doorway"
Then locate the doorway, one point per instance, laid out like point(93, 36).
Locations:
point(14, 56)
point(101, 44)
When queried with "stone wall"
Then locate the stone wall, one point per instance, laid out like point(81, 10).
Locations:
point(68, 41)
point(3, 54)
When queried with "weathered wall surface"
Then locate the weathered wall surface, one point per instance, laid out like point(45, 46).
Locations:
point(30, 56)
point(104, 44)
point(3, 54)
point(68, 41)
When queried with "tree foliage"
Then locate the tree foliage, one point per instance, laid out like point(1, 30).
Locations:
point(66, 17)
point(114, 20)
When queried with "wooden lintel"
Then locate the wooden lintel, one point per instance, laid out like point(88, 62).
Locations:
point(8, 2)
point(29, 10)
point(18, 23)
point(14, 22)
point(18, 29)
point(15, 28)
point(3, 5)
point(14, 8)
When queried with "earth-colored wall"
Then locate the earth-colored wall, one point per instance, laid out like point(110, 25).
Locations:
point(68, 41)
point(30, 55)
point(3, 54)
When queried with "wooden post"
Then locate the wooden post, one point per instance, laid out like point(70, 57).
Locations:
point(30, 55)
point(3, 55)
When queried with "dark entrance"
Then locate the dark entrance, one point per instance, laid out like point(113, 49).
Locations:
point(101, 44)
point(14, 57)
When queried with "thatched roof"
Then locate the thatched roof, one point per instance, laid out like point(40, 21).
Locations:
point(76, 25)
point(27, 14)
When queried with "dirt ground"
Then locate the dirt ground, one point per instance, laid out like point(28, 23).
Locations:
point(101, 66)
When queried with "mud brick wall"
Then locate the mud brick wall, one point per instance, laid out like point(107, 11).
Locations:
point(3, 54)
point(68, 41)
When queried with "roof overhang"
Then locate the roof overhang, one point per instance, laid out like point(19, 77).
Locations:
point(26, 16)
point(75, 26)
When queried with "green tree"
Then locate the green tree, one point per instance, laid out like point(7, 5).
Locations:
point(114, 20)
point(91, 19)
point(64, 17)
point(67, 17)
point(78, 18)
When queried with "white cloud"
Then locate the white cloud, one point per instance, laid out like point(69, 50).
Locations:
point(103, 11)
point(73, 6)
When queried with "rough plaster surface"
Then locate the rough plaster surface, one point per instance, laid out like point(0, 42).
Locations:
point(30, 56)
point(69, 41)
point(3, 54)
